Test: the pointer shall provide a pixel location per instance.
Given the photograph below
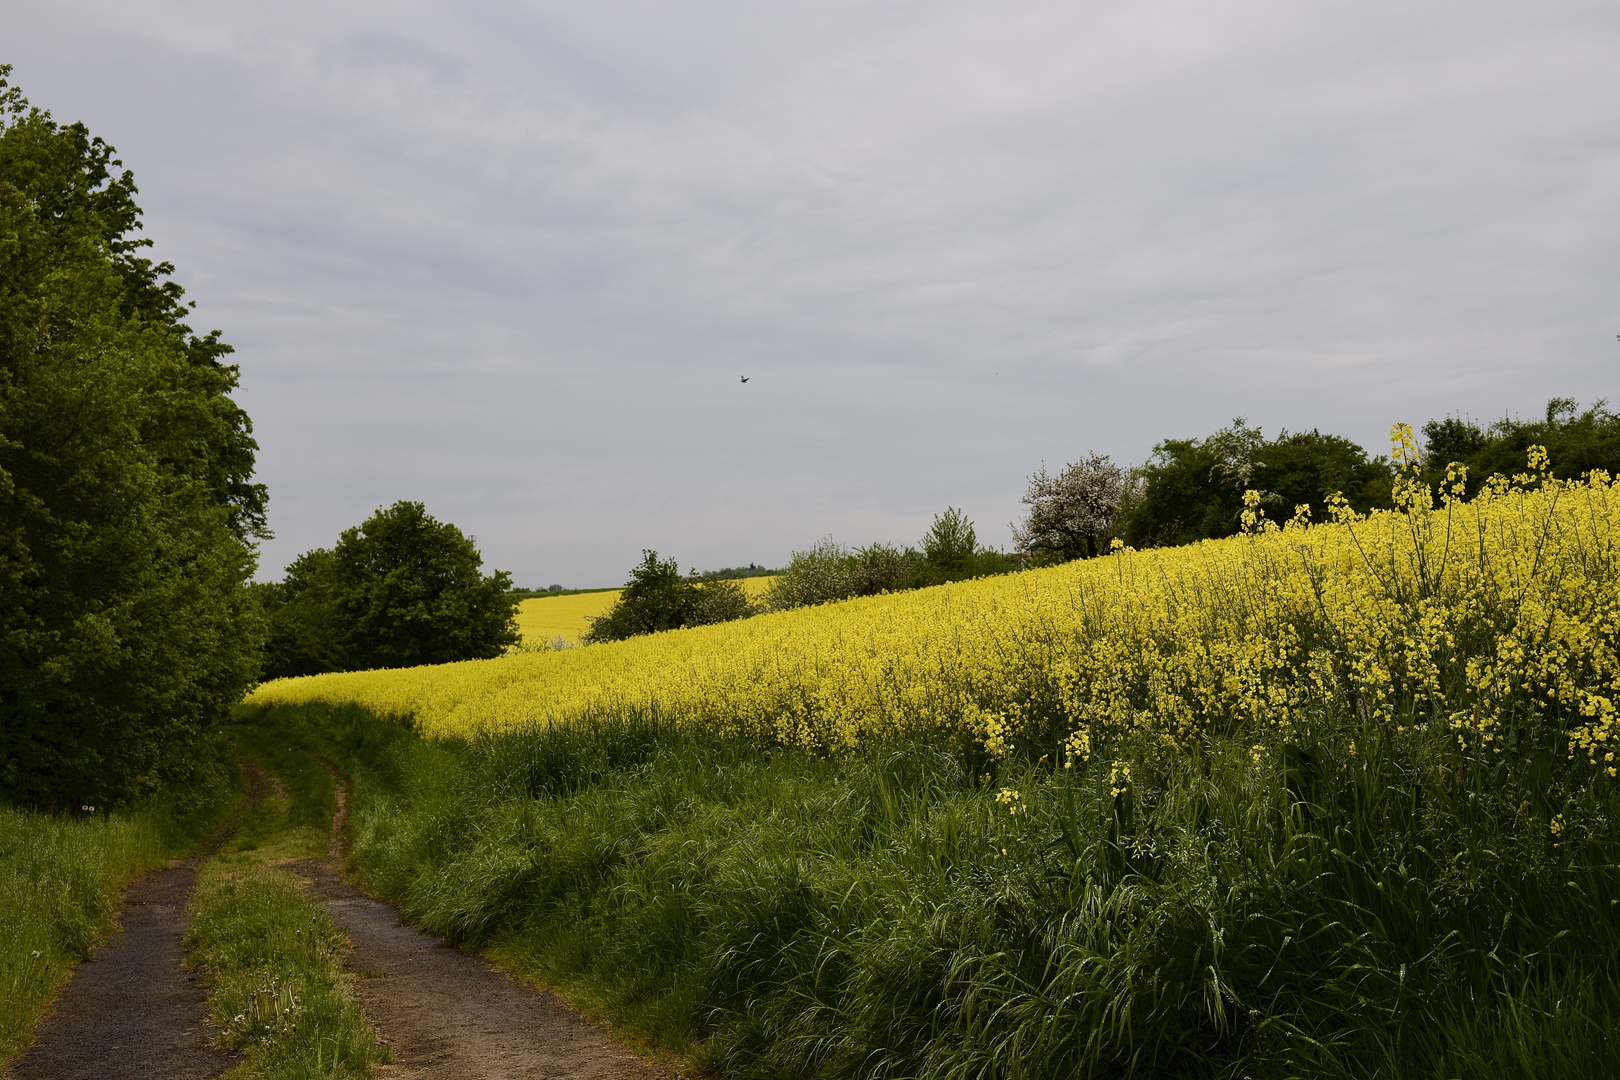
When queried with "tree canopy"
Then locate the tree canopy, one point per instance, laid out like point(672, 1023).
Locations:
point(1576, 442)
point(1192, 489)
point(127, 505)
point(400, 589)
point(1072, 513)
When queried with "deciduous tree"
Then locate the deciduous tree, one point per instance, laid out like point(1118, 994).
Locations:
point(127, 505)
point(400, 589)
point(1071, 515)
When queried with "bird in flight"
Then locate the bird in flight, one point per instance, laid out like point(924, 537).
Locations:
point(745, 378)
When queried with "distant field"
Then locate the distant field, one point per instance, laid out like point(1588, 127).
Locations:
point(542, 618)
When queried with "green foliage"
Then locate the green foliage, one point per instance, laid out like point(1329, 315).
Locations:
point(657, 597)
point(950, 542)
point(1576, 443)
point(831, 571)
point(398, 590)
point(127, 510)
point(1192, 489)
point(1341, 904)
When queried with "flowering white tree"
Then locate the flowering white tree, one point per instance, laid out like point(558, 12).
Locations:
point(1071, 514)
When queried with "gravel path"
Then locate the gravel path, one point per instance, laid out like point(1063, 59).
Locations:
point(452, 1016)
point(133, 1011)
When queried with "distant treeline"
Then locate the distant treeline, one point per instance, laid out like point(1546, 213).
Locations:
point(658, 597)
point(1188, 490)
point(1192, 489)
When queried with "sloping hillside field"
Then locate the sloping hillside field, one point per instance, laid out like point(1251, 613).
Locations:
point(543, 618)
point(1333, 800)
point(1470, 619)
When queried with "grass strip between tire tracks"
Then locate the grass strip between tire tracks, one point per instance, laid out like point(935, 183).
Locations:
point(277, 983)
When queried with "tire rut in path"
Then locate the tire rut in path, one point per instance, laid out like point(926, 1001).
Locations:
point(132, 1012)
point(449, 1015)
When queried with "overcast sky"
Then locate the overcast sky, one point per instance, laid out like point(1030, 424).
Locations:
point(513, 259)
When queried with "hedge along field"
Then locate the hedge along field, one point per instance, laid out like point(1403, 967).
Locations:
point(1492, 622)
point(1330, 800)
point(541, 619)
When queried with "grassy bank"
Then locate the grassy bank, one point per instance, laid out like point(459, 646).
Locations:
point(1345, 903)
point(60, 881)
point(274, 959)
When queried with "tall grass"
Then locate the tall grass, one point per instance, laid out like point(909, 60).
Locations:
point(1343, 904)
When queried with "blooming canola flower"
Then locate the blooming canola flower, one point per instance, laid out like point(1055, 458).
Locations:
point(1453, 614)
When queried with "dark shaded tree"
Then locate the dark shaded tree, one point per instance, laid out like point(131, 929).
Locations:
point(1192, 489)
point(1576, 442)
point(127, 505)
point(658, 597)
point(1304, 468)
point(398, 590)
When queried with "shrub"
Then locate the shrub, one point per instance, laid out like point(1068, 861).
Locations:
point(658, 598)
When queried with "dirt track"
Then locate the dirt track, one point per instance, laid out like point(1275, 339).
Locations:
point(133, 1011)
point(451, 1016)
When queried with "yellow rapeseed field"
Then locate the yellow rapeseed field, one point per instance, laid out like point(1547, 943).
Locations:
point(543, 618)
point(1470, 614)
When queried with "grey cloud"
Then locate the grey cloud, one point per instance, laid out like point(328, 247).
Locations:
point(510, 259)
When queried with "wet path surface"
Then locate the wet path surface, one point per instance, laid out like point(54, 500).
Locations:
point(451, 1016)
point(132, 1010)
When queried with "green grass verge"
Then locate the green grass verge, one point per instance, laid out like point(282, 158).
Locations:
point(61, 877)
point(1335, 907)
point(274, 959)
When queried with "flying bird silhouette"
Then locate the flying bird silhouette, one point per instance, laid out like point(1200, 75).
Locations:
point(745, 378)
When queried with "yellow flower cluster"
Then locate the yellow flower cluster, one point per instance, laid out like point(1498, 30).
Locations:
point(1468, 615)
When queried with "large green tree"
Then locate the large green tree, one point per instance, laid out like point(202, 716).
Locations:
point(398, 590)
point(127, 506)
